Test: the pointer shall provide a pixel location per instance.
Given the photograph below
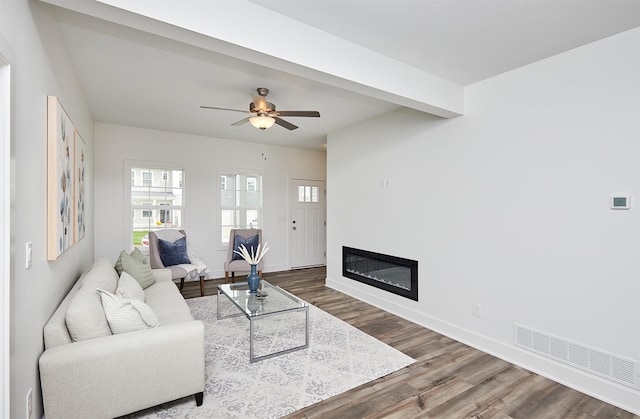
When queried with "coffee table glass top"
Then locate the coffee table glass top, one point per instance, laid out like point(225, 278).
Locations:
point(252, 305)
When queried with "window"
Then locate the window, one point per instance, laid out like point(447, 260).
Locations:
point(157, 201)
point(240, 202)
point(147, 178)
point(251, 184)
point(307, 193)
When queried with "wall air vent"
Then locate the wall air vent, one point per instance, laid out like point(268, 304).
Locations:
point(600, 363)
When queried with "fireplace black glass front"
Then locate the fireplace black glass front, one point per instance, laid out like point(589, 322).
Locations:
point(390, 273)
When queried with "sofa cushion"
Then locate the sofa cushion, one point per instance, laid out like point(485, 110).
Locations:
point(167, 302)
point(85, 317)
point(127, 315)
point(128, 287)
point(99, 264)
point(173, 253)
point(138, 270)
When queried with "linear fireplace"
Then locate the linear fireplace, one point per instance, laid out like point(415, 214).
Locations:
point(390, 273)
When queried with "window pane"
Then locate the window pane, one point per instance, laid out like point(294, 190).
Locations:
point(229, 217)
point(240, 202)
point(307, 193)
point(156, 201)
point(226, 230)
point(252, 218)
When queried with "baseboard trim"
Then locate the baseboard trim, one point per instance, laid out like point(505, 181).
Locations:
point(601, 389)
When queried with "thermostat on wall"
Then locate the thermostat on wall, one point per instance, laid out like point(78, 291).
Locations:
point(620, 202)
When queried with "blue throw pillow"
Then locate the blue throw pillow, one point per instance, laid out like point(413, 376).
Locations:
point(173, 253)
point(251, 242)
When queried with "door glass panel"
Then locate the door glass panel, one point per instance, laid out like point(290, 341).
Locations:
point(307, 193)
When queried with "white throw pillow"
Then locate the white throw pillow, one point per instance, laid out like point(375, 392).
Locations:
point(128, 287)
point(126, 315)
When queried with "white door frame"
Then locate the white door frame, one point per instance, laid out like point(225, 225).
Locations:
point(6, 239)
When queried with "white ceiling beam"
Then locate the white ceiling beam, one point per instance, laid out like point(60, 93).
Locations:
point(246, 31)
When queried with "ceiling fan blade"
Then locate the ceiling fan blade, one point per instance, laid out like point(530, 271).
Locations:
point(259, 103)
point(299, 113)
point(224, 109)
point(240, 122)
point(283, 123)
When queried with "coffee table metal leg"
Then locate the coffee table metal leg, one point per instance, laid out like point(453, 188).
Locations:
point(306, 328)
point(218, 306)
point(220, 316)
point(253, 358)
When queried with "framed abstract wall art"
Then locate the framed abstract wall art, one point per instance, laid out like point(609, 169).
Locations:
point(79, 188)
point(60, 179)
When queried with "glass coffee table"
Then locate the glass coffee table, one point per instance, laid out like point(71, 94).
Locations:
point(268, 302)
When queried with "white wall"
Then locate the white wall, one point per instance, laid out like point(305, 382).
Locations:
point(202, 157)
point(40, 67)
point(508, 207)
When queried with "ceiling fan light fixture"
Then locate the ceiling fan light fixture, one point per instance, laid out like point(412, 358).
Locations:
point(262, 122)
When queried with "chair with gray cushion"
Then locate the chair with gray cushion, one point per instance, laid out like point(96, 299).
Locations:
point(168, 249)
point(250, 237)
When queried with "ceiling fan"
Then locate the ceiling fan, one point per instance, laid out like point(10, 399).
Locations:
point(265, 114)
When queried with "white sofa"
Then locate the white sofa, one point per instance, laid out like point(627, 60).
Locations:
point(106, 375)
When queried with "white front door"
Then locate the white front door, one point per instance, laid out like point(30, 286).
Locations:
point(307, 229)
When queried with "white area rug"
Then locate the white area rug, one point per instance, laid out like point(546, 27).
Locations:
point(340, 357)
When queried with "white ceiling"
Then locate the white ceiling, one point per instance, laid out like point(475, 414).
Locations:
point(140, 72)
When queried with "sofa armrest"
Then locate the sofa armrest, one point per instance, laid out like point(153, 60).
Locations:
point(114, 375)
point(163, 274)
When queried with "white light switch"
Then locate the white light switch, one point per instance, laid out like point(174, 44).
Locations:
point(28, 252)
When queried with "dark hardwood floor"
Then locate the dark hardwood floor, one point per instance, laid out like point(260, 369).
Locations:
point(448, 380)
